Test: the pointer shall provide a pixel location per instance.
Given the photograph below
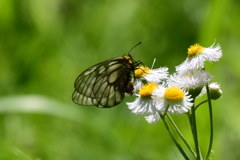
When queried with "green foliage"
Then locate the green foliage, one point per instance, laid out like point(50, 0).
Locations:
point(45, 45)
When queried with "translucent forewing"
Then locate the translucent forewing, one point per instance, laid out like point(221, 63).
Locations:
point(104, 84)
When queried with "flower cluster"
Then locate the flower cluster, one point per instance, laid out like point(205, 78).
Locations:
point(158, 92)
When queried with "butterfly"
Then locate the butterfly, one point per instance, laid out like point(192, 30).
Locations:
point(104, 85)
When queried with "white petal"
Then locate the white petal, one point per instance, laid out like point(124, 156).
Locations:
point(153, 118)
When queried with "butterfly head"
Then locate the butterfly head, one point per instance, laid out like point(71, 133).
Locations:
point(129, 58)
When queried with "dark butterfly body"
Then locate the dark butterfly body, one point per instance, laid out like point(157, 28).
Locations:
point(105, 84)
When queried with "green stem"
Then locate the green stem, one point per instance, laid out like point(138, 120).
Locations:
point(166, 111)
point(200, 104)
point(173, 138)
point(180, 134)
point(194, 131)
point(211, 123)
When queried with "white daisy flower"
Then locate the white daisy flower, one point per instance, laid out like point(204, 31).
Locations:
point(172, 98)
point(214, 89)
point(193, 82)
point(197, 55)
point(153, 118)
point(144, 104)
point(137, 84)
point(151, 75)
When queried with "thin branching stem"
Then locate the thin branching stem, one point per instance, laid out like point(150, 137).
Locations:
point(211, 122)
point(194, 131)
point(173, 138)
point(180, 134)
point(196, 107)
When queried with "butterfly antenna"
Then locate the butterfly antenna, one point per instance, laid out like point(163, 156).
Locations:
point(153, 62)
point(134, 47)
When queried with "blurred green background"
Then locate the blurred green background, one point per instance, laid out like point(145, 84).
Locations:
point(46, 44)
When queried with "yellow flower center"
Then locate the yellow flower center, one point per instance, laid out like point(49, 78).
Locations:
point(174, 94)
point(194, 50)
point(188, 75)
point(141, 71)
point(146, 90)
